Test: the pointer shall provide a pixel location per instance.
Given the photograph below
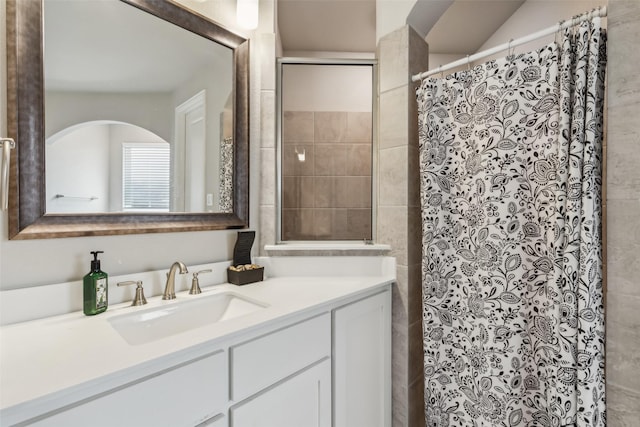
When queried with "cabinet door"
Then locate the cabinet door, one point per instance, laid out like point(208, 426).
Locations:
point(362, 363)
point(182, 396)
point(303, 400)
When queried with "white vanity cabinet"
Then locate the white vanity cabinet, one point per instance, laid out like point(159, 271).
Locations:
point(361, 363)
point(338, 367)
point(327, 366)
point(189, 394)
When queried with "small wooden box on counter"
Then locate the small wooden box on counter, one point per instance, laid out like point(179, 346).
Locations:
point(245, 277)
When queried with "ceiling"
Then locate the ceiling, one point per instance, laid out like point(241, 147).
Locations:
point(328, 25)
point(479, 20)
point(350, 25)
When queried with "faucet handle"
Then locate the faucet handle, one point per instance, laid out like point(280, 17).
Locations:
point(139, 299)
point(195, 284)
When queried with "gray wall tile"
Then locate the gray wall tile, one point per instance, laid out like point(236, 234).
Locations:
point(624, 33)
point(331, 160)
point(393, 123)
point(267, 62)
point(419, 53)
point(358, 127)
point(298, 192)
point(297, 127)
point(623, 407)
point(268, 177)
point(358, 224)
point(358, 159)
point(267, 229)
point(392, 230)
point(623, 246)
point(358, 194)
point(623, 341)
point(330, 126)
point(268, 119)
point(623, 155)
point(393, 59)
point(416, 411)
point(622, 219)
point(415, 353)
point(393, 177)
point(292, 165)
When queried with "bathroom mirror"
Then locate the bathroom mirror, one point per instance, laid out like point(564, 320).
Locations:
point(79, 94)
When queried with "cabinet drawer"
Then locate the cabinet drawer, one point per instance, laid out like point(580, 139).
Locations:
point(303, 400)
point(261, 362)
point(182, 396)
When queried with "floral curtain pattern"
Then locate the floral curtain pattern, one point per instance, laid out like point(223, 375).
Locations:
point(226, 175)
point(510, 178)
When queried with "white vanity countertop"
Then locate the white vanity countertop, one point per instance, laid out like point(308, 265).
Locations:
point(47, 363)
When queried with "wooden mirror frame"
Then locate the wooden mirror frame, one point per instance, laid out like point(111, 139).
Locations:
point(25, 120)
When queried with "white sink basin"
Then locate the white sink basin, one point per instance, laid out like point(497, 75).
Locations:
point(144, 326)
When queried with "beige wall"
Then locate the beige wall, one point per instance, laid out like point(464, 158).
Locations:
point(623, 215)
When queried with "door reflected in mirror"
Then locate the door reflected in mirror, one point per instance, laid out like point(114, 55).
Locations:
point(138, 113)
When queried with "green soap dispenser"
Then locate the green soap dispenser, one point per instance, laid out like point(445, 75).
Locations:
point(96, 289)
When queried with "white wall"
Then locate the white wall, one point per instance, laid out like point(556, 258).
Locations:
point(40, 262)
point(216, 97)
point(153, 111)
point(83, 174)
point(536, 15)
point(391, 15)
point(439, 59)
point(96, 160)
point(532, 16)
point(327, 88)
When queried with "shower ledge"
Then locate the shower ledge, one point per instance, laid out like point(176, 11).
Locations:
point(327, 249)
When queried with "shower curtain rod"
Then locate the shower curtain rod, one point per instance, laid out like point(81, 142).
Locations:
point(599, 12)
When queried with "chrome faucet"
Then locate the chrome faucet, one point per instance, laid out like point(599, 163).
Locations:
point(170, 287)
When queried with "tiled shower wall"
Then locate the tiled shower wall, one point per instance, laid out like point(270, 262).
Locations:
point(623, 222)
point(401, 54)
point(326, 175)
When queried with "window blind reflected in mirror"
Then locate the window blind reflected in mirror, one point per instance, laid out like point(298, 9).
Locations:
point(145, 176)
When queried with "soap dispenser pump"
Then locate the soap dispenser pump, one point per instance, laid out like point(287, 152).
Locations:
point(96, 289)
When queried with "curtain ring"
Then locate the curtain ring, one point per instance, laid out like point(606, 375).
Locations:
point(441, 72)
point(559, 32)
point(468, 64)
point(509, 51)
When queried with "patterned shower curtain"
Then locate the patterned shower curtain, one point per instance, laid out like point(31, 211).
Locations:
point(511, 176)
